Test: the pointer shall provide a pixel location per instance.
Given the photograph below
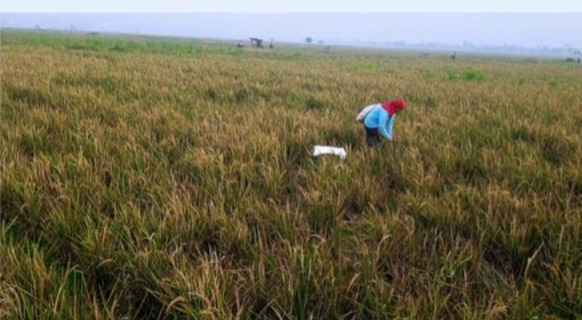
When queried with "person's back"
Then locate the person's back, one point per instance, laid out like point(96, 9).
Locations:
point(373, 118)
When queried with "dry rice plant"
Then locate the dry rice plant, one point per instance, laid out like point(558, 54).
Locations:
point(171, 178)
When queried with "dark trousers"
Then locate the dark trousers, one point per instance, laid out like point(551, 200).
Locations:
point(372, 136)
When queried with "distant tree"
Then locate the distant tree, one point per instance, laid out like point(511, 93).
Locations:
point(309, 40)
point(320, 42)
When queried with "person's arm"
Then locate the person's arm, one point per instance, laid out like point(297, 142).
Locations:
point(385, 125)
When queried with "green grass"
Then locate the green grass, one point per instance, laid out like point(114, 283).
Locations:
point(149, 177)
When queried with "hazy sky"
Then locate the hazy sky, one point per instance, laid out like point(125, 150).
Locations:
point(371, 6)
point(531, 29)
point(518, 22)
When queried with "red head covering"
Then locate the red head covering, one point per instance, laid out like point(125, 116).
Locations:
point(393, 106)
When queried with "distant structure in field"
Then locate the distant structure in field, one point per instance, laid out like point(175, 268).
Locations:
point(574, 53)
point(256, 42)
point(271, 46)
point(454, 56)
point(239, 45)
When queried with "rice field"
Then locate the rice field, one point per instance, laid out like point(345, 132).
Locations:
point(146, 178)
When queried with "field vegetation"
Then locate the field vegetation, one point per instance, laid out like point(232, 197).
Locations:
point(172, 178)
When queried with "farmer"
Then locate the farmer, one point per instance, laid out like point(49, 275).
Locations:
point(380, 121)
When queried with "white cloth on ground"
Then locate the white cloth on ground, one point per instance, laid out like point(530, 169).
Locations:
point(322, 150)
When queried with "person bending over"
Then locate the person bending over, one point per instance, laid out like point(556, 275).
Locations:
point(380, 121)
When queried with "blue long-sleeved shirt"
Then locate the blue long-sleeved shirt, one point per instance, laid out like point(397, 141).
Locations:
point(378, 118)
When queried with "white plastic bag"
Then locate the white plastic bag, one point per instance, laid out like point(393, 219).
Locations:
point(322, 150)
point(362, 115)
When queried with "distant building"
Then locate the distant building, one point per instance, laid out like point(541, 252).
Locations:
point(256, 42)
